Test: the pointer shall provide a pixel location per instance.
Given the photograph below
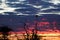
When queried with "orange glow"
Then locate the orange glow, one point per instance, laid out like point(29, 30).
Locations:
point(48, 34)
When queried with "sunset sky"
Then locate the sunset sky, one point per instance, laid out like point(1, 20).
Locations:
point(16, 13)
point(17, 22)
point(40, 16)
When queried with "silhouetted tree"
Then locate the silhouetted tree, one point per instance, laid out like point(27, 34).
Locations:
point(34, 36)
point(26, 32)
point(5, 30)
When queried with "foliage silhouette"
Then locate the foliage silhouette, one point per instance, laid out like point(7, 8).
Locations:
point(26, 32)
point(5, 30)
point(34, 36)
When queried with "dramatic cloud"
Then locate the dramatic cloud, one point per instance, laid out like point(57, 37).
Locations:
point(18, 7)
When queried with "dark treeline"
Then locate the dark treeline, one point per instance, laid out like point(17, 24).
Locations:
point(5, 29)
